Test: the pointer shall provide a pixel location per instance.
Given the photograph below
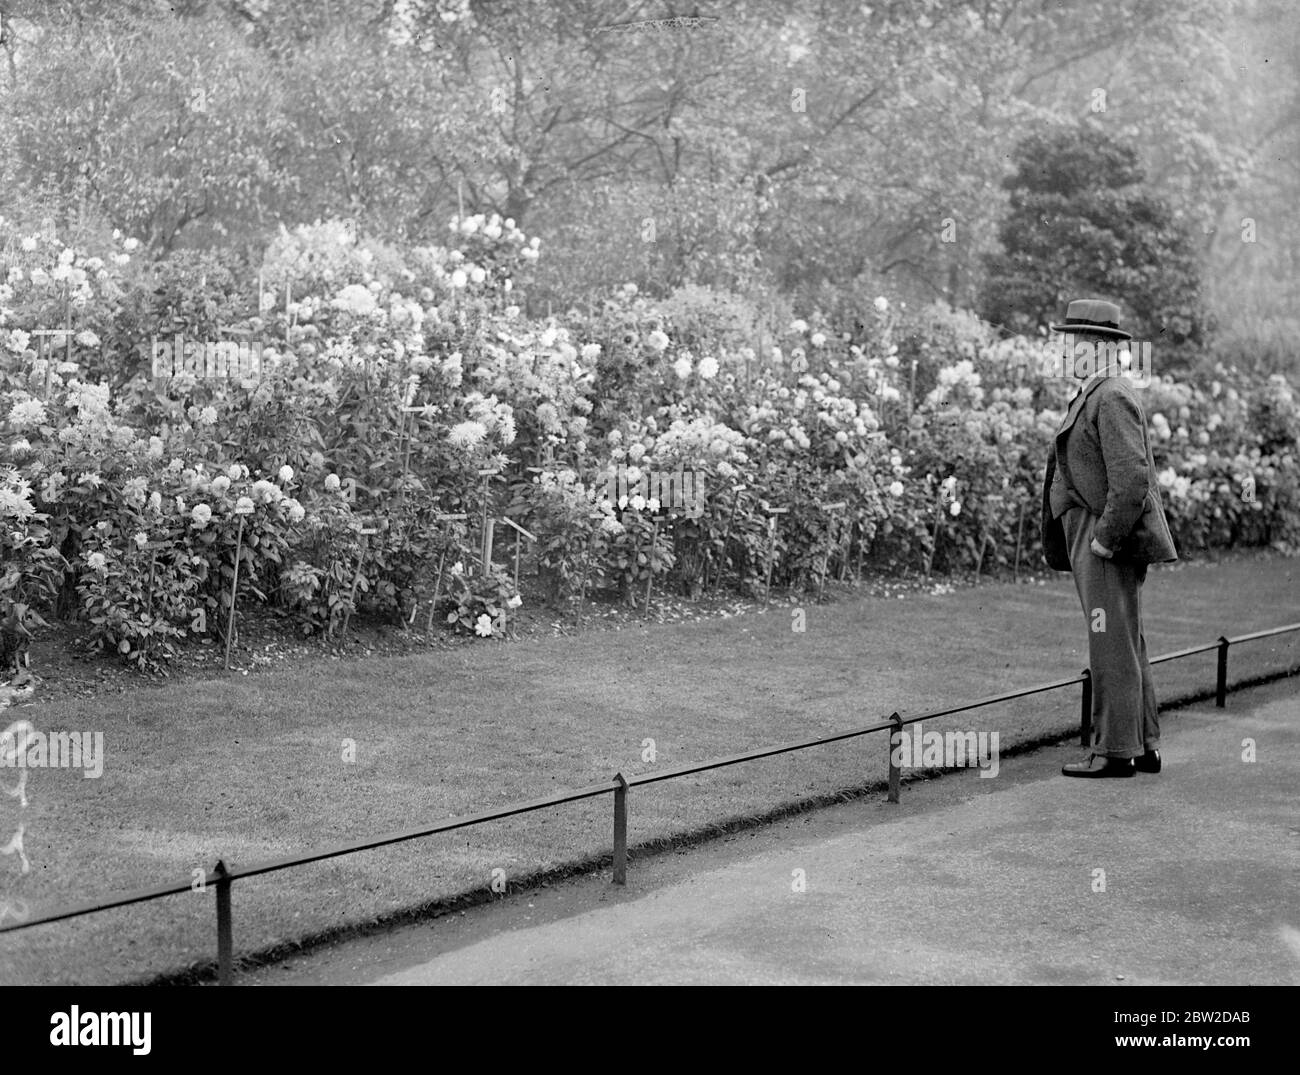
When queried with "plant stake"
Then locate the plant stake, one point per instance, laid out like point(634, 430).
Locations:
point(234, 585)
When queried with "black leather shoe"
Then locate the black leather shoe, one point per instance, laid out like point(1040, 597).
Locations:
point(1095, 766)
point(1149, 762)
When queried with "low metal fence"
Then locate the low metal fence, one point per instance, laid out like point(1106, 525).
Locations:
point(222, 879)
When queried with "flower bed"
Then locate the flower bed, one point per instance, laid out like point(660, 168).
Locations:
point(402, 394)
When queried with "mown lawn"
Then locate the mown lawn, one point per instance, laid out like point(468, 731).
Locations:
point(251, 768)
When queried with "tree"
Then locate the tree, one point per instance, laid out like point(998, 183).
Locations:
point(1083, 224)
point(160, 123)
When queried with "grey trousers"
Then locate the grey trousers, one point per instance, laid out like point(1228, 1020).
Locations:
point(1124, 723)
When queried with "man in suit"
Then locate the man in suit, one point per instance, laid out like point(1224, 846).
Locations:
point(1103, 521)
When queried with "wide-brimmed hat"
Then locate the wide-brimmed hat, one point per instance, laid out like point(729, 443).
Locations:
point(1093, 315)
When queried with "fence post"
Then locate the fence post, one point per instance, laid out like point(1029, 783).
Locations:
point(1085, 710)
point(620, 830)
point(1221, 683)
point(895, 773)
point(225, 939)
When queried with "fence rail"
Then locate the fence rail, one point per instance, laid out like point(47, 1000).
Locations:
point(222, 878)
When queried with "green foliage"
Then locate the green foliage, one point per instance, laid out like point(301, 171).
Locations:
point(1083, 224)
point(385, 392)
point(634, 555)
point(561, 510)
point(166, 124)
point(480, 604)
point(215, 125)
point(31, 567)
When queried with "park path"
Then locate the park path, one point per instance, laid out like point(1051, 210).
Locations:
point(969, 881)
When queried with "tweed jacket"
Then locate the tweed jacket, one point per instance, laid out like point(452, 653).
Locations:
point(1104, 453)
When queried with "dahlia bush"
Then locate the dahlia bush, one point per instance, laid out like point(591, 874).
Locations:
point(399, 394)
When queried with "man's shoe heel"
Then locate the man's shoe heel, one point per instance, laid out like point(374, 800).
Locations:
point(1149, 762)
point(1097, 767)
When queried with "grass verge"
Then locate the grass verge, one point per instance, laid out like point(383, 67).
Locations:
point(251, 768)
